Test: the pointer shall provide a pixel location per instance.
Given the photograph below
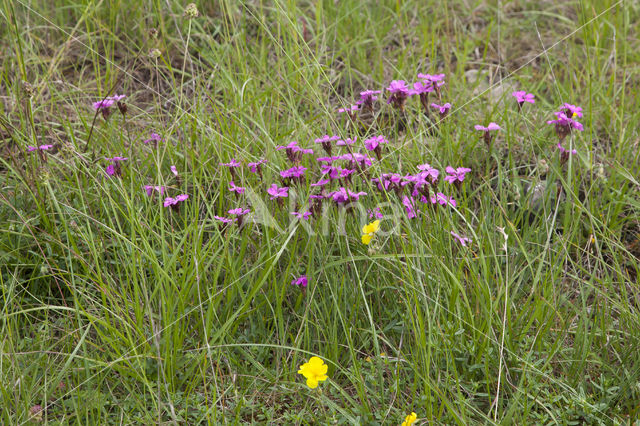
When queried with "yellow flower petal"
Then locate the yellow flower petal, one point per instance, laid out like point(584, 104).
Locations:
point(366, 239)
point(371, 227)
point(410, 419)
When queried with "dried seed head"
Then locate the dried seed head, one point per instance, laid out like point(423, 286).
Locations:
point(28, 89)
point(191, 11)
point(543, 166)
point(155, 53)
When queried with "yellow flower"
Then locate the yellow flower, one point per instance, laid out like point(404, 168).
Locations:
point(314, 371)
point(410, 419)
point(369, 231)
point(371, 228)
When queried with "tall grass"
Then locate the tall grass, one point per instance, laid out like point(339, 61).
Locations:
point(118, 310)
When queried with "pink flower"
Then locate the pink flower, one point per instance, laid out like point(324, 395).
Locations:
point(343, 195)
point(375, 213)
point(301, 281)
point(153, 138)
point(355, 158)
point(237, 189)
point(103, 104)
point(321, 182)
point(367, 97)
point(346, 173)
point(174, 170)
point(345, 142)
point(327, 138)
point(562, 150)
point(564, 124)
point(115, 169)
point(445, 200)
point(303, 216)
point(151, 188)
point(522, 97)
point(238, 211)
point(224, 220)
point(294, 152)
point(231, 164)
point(398, 86)
point(174, 202)
point(276, 192)
point(456, 174)
point(409, 206)
point(294, 172)
point(399, 93)
point(441, 199)
point(572, 111)
point(372, 143)
point(491, 126)
point(488, 137)
point(350, 109)
point(255, 167)
point(443, 109)
point(31, 148)
point(430, 172)
point(462, 240)
point(419, 88)
point(435, 78)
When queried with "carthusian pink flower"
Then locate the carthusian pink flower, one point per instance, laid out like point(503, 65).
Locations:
point(224, 220)
point(326, 142)
point(154, 138)
point(257, 166)
point(442, 109)
point(301, 281)
point(374, 144)
point(104, 104)
point(294, 152)
point(239, 213)
point(462, 240)
point(375, 213)
point(151, 188)
point(456, 175)
point(174, 203)
point(564, 124)
point(571, 111)
point(409, 205)
point(488, 137)
point(345, 142)
point(564, 153)
point(429, 172)
point(351, 111)
point(522, 97)
point(115, 169)
point(399, 93)
point(275, 192)
point(237, 189)
point(367, 98)
point(321, 182)
point(296, 172)
point(231, 165)
point(302, 216)
point(41, 148)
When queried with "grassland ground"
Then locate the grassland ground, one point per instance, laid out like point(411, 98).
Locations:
point(154, 270)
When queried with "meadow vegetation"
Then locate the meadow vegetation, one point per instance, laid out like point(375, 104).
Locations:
point(204, 220)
